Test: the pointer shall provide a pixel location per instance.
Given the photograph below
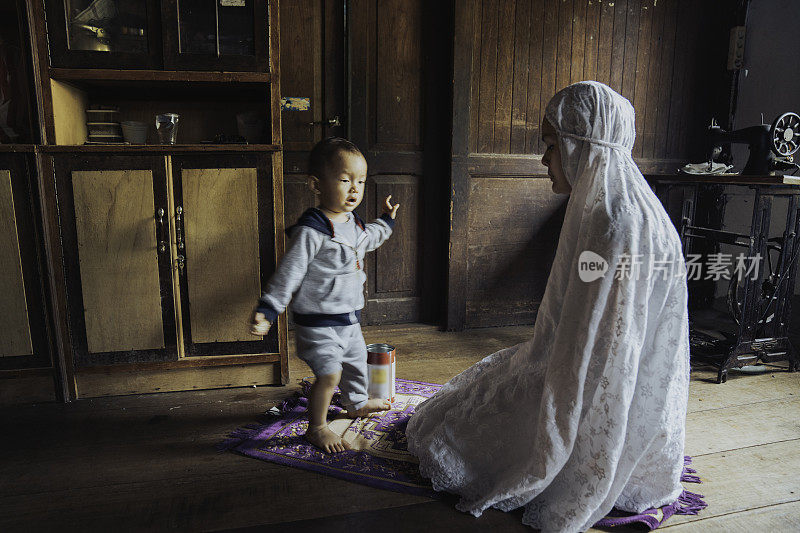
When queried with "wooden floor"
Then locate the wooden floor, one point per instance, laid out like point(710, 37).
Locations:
point(147, 462)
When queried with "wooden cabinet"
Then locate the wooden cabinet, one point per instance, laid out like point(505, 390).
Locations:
point(165, 256)
point(222, 35)
point(23, 333)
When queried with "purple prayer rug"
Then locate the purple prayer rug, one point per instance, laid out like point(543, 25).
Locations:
point(380, 457)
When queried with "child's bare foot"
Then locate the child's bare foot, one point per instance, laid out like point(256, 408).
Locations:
point(322, 437)
point(372, 406)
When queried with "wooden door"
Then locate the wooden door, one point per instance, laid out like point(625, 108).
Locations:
point(312, 67)
point(224, 233)
point(23, 335)
point(382, 69)
point(117, 258)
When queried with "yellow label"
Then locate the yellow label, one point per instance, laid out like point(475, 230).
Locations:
point(379, 376)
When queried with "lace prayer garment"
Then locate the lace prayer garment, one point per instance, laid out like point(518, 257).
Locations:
point(590, 412)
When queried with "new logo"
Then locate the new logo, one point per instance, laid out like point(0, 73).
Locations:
point(591, 266)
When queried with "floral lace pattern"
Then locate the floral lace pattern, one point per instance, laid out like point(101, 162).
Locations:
point(590, 412)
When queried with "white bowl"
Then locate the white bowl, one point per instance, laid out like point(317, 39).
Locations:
point(134, 132)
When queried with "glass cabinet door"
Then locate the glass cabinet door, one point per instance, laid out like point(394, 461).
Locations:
point(104, 33)
point(215, 35)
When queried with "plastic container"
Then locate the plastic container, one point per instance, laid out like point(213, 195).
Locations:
point(134, 132)
point(381, 371)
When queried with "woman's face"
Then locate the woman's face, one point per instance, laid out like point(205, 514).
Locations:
point(552, 159)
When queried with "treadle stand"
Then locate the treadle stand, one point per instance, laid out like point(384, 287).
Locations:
point(765, 307)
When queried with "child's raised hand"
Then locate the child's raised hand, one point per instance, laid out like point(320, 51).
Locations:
point(390, 209)
point(259, 324)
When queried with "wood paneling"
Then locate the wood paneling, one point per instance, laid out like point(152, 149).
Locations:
point(69, 117)
point(396, 261)
point(397, 77)
point(487, 80)
point(222, 256)
point(513, 229)
point(298, 197)
point(108, 383)
point(511, 57)
point(526, 50)
point(301, 70)
point(116, 233)
point(30, 387)
point(15, 333)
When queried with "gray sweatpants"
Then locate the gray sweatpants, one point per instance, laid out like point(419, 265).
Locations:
point(332, 349)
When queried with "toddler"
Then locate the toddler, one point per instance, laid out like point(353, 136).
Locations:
point(322, 273)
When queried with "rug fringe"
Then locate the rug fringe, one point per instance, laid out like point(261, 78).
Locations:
point(690, 478)
point(686, 475)
point(690, 503)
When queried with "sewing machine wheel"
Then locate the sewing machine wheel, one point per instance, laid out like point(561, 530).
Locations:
point(785, 134)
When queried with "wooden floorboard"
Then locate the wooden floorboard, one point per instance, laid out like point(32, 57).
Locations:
point(147, 462)
point(783, 517)
point(742, 426)
point(747, 478)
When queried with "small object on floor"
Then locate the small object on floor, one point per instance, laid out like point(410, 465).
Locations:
point(381, 364)
point(752, 369)
point(379, 453)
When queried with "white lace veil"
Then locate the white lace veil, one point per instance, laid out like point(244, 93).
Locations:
point(589, 412)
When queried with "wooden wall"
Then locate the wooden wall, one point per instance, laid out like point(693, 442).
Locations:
point(526, 50)
point(511, 56)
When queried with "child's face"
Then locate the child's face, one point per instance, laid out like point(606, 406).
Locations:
point(342, 188)
point(552, 159)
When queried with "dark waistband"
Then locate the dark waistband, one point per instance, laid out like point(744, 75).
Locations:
point(318, 320)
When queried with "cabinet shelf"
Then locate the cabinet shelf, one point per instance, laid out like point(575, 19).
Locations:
point(159, 148)
point(175, 76)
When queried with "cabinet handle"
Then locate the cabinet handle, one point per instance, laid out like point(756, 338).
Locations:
point(334, 122)
point(162, 243)
point(179, 226)
point(181, 262)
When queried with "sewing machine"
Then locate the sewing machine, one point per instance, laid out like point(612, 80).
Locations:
point(771, 146)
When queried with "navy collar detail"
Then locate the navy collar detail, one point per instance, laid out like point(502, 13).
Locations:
point(316, 219)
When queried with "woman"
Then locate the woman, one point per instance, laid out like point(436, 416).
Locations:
point(589, 413)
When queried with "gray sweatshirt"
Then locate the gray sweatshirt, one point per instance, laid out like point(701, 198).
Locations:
point(322, 273)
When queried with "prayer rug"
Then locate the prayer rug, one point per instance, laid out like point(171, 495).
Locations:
point(379, 456)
